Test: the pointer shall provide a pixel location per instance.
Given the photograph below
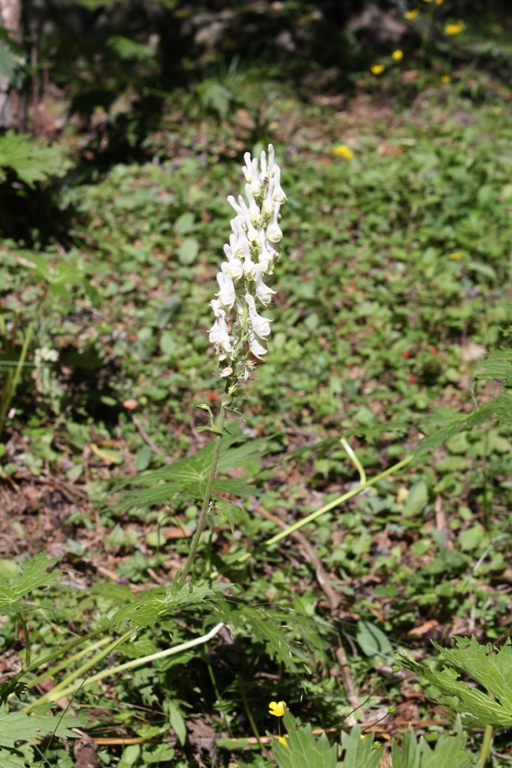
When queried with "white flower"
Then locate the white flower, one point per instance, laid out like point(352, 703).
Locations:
point(250, 269)
point(268, 203)
point(259, 324)
point(239, 330)
point(265, 256)
point(219, 334)
point(241, 245)
point(247, 168)
point(257, 347)
point(277, 192)
point(263, 292)
point(226, 294)
point(239, 207)
point(254, 211)
point(234, 267)
point(274, 233)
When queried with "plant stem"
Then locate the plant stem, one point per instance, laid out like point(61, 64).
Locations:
point(67, 662)
point(27, 640)
point(314, 515)
point(219, 430)
point(248, 712)
point(55, 655)
point(485, 749)
point(50, 696)
point(58, 693)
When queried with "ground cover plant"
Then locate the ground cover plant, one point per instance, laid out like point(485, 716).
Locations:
point(392, 287)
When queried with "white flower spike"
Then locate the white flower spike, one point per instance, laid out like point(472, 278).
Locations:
point(239, 330)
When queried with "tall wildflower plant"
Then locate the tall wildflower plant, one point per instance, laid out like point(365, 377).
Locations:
point(239, 334)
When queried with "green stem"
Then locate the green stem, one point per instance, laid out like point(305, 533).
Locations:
point(248, 712)
point(219, 430)
point(55, 655)
point(12, 383)
point(64, 684)
point(58, 693)
point(50, 673)
point(485, 749)
point(357, 463)
point(314, 515)
point(27, 641)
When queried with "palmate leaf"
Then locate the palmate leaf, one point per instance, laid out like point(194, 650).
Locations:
point(304, 750)
point(16, 759)
point(187, 478)
point(358, 751)
point(448, 752)
point(157, 603)
point(31, 160)
point(497, 365)
point(491, 669)
point(16, 727)
point(287, 637)
point(33, 576)
point(447, 422)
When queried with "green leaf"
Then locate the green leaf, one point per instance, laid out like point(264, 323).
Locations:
point(15, 759)
point(417, 499)
point(359, 750)
point(187, 478)
point(130, 50)
point(184, 223)
point(156, 603)
point(492, 669)
point(410, 754)
point(187, 251)
point(31, 160)
point(8, 62)
point(372, 640)
point(287, 636)
point(177, 722)
point(303, 750)
point(447, 752)
point(34, 575)
point(16, 726)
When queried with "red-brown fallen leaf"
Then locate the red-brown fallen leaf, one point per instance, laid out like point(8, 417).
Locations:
point(424, 628)
point(176, 533)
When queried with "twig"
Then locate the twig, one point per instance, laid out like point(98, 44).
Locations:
point(154, 447)
point(334, 600)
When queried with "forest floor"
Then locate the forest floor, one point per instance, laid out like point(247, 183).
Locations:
point(394, 283)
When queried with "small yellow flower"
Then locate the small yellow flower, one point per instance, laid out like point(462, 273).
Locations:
point(455, 256)
point(343, 151)
point(439, 2)
point(446, 79)
point(454, 29)
point(411, 14)
point(282, 740)
point(277, 708)
point(397, 55)
point(377, 69)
